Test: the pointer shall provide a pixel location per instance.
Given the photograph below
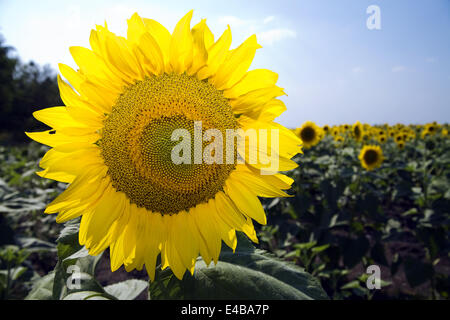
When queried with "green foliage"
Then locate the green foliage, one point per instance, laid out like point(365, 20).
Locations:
point(343, 218)
point(248, 273)
point(74, 275)
point(24, 88)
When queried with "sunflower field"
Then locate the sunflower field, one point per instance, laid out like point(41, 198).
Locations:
point(351, 209)
point(340, 219)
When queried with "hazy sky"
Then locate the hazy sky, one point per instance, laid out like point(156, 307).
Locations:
point(333, 68)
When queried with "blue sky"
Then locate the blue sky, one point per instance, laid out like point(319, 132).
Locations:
point(333, 68)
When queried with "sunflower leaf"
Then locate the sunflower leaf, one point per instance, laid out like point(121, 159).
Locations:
point(42, 288)
point(127, 290)
point(248, 273)
point(75, 270)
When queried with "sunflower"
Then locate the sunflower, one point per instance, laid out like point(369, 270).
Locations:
point(326, 129)
point(335, 131)
point(371, 157)
point(398, 137)
point(112, 142)
point(339, 138)
point(310, 134)
point(382, 138)
point(357, 131)
point(401, 145)
point(430, 129)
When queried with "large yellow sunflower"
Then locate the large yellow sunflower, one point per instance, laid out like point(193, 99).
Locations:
point(310, 134)
point(113, 143)
point(371, 157)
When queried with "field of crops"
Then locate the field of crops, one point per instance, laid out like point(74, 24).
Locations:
point(340, 219)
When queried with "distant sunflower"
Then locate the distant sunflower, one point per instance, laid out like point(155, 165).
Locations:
point(326, 129)
point(401, 145)
point(310, 134)
point(430, 129)
point(112, 143)
point(335, 131)
point(371, 157)
point(357, 131)
point(382, 138)
point(398, 137)
point(339, 138)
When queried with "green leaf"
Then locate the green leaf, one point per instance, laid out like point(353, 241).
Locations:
point(127, 290)
point(17, 272)
point(246, 274)
point(86, 295)
point(42, 288)
point(83, 252)
point(351, 285)
point(70, 252)
point(320, 248)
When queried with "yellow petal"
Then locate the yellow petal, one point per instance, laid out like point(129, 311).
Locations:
point(217, 54)
point(53, 138)
point(256, 183)
point(136, 28)
point(56, 117)
point(182, 240)
point(75, 78)
point(92, 64)
point(227, 211)
point(155, 235)
point(200, 53)
point(199, 238)
point(227, 233)
point(249, 230)
point(269, 112)
point(245, 200)
point(181, 45)
point(58, 176)
point(162, 37)
point(253, 80)
point(116, 253)
point(236, 65)
point(256, 99)
point(152, 53)
point(76, 108)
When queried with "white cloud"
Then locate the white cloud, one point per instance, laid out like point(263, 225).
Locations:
point(269, 37)
point(398, 68)
point(268, 19)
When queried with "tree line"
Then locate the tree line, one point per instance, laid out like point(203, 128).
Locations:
point(24, 88)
